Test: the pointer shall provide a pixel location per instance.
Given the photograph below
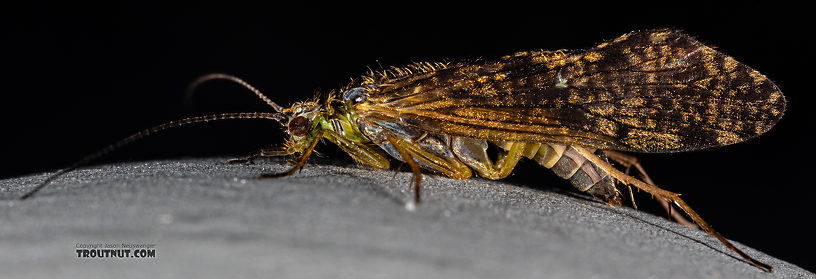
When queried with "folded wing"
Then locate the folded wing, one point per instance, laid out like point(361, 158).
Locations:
point(649, 91)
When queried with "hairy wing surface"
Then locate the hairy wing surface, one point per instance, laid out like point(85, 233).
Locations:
point(649, 91)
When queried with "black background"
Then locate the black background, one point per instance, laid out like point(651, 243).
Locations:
point(78, 77)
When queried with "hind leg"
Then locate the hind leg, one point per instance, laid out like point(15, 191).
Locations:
point(674, 198)
point(630, 161)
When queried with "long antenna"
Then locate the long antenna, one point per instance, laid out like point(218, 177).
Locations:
point(146, 132)
point(192, 87)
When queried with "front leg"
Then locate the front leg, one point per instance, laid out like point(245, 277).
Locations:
point(301, 161)
point(265, 152)
point(361, 153)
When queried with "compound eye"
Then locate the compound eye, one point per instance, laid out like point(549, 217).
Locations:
point(355, 96)
point(298, 126)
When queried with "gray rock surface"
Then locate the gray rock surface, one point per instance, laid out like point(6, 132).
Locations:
point(212, 219)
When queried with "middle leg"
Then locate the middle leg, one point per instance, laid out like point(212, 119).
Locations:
point(473, 152)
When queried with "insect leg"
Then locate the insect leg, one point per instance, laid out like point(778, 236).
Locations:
point(361, 153)
point(301, 162)
point(669, 197)
point(265, 152)
point(417, 155)
point(399, 145)
point(629, 161)
point(473, 152)
point(248, 160)
point(431, 151)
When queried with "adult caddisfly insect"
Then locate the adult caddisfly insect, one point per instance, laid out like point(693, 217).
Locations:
point(571, 111)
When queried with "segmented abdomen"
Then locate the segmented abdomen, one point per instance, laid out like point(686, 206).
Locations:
point(568, 164)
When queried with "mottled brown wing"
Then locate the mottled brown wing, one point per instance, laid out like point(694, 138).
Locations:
point(649, 91)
